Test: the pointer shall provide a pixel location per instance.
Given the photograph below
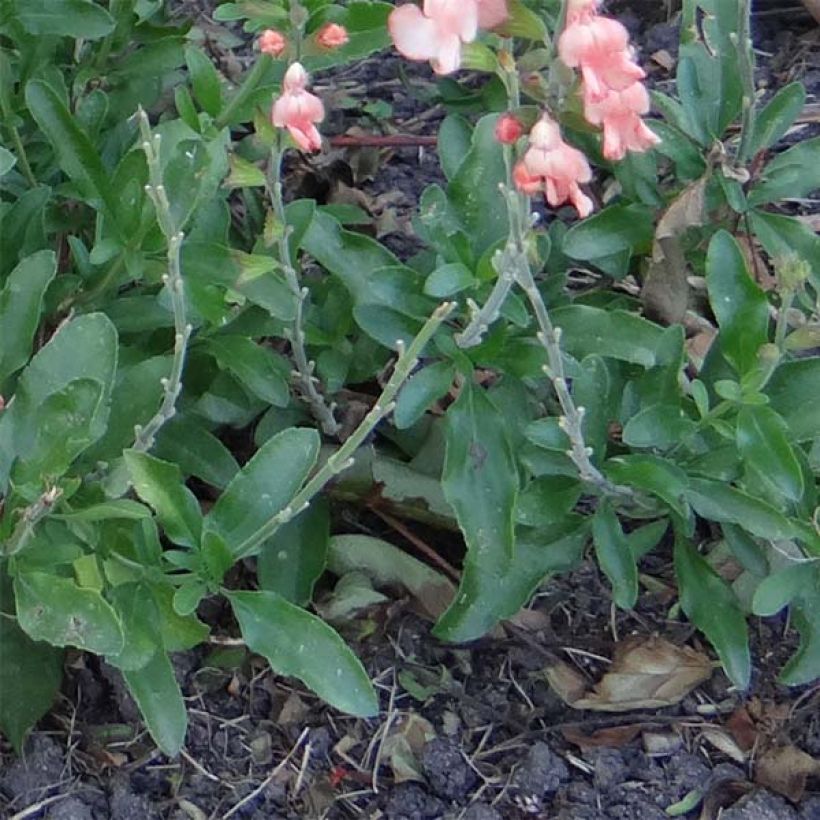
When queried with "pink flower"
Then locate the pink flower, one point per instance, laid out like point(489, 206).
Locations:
point(272, 42)
point(436, 32)
point(599, 46)
point(508, 129)
point(553, 166)
point(619, 112)
point(297, 109)
point(332, 35)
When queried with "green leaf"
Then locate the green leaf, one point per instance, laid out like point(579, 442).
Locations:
point(21, 302)
point(448, 280)
point(454, 137)
point(659, 425)
point(777, 117)
point(299, 644)
point(780, 588)
point(762, 441)
point(487, 595)
point(30, 677)
point(740, 306)
point(794, 173)
point(7, 161)
point(420, 391)
point(794, 391)
point(75, 153)
point(615, 556)
point(205, 80)
point(716, 501)
point(615, 334)
point(655, 475)
point(291, 561)
point(712, 607)
point(616, 229)
point(804, 666)
point(140, 620)
point(480, 478)
point(65, 18)
point(56, 610)
point(178, 632)
point(196, 451)
point(107, 510)
point(258, 368)
point(473, 191)
point(264, 486)
point(156, 692)
point(159, 484)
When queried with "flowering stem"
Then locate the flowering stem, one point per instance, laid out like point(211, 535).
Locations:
point(172, 386)
point(304, 367)
point(343, 457)
point(249, 85)
point(29, 518)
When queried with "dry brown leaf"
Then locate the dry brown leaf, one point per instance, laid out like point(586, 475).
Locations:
point(786, 769)
point(403, 746)
point(646, 673)
point(612, 737)
point(722, 794)
point(743, 728)
point(665, 292)
point(662, 744)
point(724, 743)
point(664, 59)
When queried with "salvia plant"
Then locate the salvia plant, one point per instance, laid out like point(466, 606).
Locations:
point(536, 385)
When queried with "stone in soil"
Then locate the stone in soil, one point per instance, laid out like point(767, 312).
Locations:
point(446, 770)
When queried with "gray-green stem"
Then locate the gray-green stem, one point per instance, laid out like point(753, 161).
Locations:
point(322, 412)
point(343, 457)
point(174, 284)
point(745, 58)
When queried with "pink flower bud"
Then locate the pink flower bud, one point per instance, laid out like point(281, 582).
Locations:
point(332, 35)
point(298, 110)
point(272, 42)
point(508, 129)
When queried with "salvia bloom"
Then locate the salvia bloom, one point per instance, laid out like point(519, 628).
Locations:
point(613, 94)
point(554, 167)
point(332, 35)
point(436, 31)
point(508, 129)
point(272, 42)
point(298, 110)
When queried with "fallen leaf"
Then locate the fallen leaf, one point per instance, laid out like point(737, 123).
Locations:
point(743, 728)
point(722, 794)
point(665, 292)
point(404, 744)
point(724, 743)
point(612, 737)
point(664, 59)
point(662, 744)
point(648, 673)
point(785, 769)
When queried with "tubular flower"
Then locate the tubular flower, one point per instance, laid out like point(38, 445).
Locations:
point(332, 35)
point(554, 167)
point(437, 31)
point(619, 112)
point(298, 110)
point(613, 94)
point(272, 42)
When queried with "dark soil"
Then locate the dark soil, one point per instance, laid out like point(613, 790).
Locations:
point(482, 735)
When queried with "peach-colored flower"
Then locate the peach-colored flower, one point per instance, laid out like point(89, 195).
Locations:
point(437, 31)
point(508, 129)
point(272, 42)
point(553, 166)
point(599, 46)
point(619, 112)
point(332, 35)
point(297, 109)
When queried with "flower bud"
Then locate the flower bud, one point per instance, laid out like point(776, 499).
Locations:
point(508, 129)
point(332, 35)
point(272, 42)
point(792, 271)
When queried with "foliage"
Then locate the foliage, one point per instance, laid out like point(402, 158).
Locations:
point(152, 302)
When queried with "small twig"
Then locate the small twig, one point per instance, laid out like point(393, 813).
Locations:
point(322, 412)
point(343, 457)
point(264, 784)
point(171, 386)
point(424, 548)
point(383, 141)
